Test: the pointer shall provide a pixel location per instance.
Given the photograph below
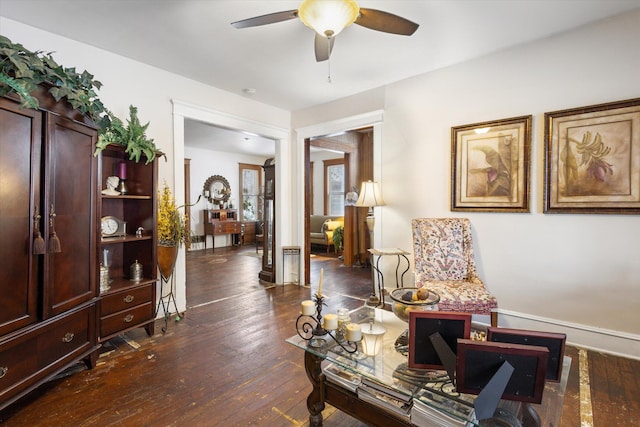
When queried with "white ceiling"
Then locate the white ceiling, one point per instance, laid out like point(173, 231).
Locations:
point(194, 38)
point(203, 135)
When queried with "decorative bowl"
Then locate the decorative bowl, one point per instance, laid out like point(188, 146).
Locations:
point(406, 300)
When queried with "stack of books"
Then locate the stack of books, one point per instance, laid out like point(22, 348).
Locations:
point(440, 407)
point(340, 376)
point(388, 398)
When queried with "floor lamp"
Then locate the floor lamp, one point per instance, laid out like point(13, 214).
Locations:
point(371, 197)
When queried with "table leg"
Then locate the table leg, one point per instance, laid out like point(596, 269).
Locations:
point(315, 400)
point(380, 282)
point(404, 272)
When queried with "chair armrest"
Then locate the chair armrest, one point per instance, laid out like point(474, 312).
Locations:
point(332, 225)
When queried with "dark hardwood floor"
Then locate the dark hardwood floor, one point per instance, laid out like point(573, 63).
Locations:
point(225, 363)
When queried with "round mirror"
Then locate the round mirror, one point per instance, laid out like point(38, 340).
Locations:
point(216, 189)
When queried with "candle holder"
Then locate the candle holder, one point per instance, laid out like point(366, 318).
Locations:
point(122, 186)
point(309, 327)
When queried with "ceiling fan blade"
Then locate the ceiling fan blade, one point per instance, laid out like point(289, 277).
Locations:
point(323, 47)
point(386, 22)
point(270, 18)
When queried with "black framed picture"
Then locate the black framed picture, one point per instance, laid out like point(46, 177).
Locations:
point(422, 324)
point(478, 362)
point(555, 342)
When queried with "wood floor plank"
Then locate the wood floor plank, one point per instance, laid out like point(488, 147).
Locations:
point(571, 408)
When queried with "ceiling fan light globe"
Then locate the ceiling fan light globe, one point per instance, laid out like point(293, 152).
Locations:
point(328, 17)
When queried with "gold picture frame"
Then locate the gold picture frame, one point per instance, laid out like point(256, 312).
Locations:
point(592, 159)
point(490, 165)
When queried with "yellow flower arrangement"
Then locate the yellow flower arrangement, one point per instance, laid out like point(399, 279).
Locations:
point(171, 223)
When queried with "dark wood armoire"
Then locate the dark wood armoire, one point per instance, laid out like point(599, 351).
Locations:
point(48, 251)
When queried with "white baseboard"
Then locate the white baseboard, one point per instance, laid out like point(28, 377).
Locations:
point(622, 344)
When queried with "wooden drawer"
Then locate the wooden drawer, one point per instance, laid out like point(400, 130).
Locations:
point(30, 356)
point(227, 227)
point(126, 299)
point(65, 337)
point(126, 319)
point(18, 360)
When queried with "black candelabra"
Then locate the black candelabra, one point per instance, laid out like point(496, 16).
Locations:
point(309, 327)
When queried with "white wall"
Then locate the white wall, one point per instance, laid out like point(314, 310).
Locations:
point(578, 273)
point(205, 163)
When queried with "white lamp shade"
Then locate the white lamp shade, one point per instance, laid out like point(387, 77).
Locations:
point(370, 195)
point(328, 17)
point(372, 339)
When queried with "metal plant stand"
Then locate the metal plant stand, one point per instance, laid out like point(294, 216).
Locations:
point(166, 297)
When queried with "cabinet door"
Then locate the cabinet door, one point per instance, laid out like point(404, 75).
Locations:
point(20, 139)
point(70, 206)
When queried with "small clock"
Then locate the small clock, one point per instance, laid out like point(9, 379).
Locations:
point(113, 227)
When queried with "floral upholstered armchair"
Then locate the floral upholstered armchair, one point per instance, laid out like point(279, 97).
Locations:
point(444, 263)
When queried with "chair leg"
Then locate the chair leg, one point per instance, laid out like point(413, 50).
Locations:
point(494, 318)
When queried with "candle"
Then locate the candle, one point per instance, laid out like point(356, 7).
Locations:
point(122, 170)
point(320, 283)
point(331, 322)
point(353, 332)
point(308, 308)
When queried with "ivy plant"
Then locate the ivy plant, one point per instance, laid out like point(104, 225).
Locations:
point(22, 71)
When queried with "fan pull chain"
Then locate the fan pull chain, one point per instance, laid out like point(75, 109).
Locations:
point(329, 60)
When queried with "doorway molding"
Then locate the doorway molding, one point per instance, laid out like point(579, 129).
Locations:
point(184, 110)
point(374, 119)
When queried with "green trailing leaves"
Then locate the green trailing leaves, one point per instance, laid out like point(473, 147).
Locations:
point(27, 101)
point(132, 136)
point(22, 70)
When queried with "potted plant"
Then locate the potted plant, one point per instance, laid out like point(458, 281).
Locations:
point(338, 237)
point(132, 136)
point(172, 232)
point(23, 72)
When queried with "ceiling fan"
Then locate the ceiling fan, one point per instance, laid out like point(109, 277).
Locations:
point(329, 17)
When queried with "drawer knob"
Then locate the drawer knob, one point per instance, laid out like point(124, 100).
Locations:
point(128, 298)
point(128, 318)
point(68, 337)
point(3, 371)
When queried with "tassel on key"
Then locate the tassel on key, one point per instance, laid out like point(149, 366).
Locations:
point(38, 241)
point(54, 242)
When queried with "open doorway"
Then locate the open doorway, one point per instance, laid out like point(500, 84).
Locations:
point(353, 150)
point(182, 113)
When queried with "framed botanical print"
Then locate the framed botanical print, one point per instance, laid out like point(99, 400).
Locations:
point(490, 166)
point(592, 159)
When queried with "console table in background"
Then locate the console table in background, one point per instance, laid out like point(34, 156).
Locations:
point(222, 222)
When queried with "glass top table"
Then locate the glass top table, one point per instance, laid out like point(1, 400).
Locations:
point(430, 391)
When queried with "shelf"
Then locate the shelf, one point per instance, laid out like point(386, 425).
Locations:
point(119, 284)
point(127, 238)
point(127, 197)
point(137, 208)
